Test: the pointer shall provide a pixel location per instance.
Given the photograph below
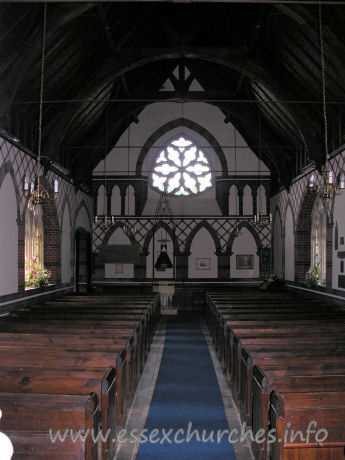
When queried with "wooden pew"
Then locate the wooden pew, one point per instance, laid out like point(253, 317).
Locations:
point(250, 356)
point(29, 417)
point(68, 381)
point(308, 379)
point(299, 409)
point(304, 355)
point(85, 339)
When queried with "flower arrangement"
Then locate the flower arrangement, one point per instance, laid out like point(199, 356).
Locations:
point(273, 277)
point(37, 276)
point(312, 277)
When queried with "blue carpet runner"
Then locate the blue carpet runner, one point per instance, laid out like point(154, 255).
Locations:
point(186, 391)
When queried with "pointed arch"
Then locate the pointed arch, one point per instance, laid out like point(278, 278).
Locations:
point(112, 229)
point(234, 205)
point(188, 124)
point(247, 200)
point(245, 246)
point(80, 220)
point(51, 232)
point(261, 202)
point(7, 168)
point(130, 201)
point(116, 201)
point(303, 236)
point(319, 236)
point(251, 229)
point(151, 248)
point(101, 200)
point(210, 229)
point(203, 260)
point(170, 232)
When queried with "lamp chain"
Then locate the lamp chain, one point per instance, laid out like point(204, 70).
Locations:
point(43, 59)
point(323, 74)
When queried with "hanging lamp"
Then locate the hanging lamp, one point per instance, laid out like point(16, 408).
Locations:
point(260, 219)
point(105, 221)
point(35, 191)
point(329, 186)
point(238, 231)
point(163, 210)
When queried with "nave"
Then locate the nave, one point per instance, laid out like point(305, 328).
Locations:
point(87, 362)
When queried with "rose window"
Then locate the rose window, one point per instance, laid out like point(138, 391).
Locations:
point(181, 169)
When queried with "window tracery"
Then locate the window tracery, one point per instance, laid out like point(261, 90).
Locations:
point(182, 169)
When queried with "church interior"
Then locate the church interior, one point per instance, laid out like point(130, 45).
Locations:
point(172, 230)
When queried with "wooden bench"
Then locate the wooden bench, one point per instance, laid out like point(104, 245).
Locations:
point(309, 379)
point(102, 346)
point(29, 417)
point(299, 409)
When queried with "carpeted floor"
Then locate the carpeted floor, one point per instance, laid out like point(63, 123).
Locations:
point(186, 392)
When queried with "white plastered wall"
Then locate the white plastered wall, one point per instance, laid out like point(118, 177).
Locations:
point(8, 238)
point(156, 115)
point(277, 246)
point(66, 245)
point(244, 245)
point(339, 223)
point(82, 220)
point(202, 247)
point(112, 270)
point(289, 246)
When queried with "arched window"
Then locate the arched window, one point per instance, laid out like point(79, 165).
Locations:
point(318, 237)
point(34, 242)
point(181, 169)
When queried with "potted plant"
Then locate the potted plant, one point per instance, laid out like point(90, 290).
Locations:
point(37, 276)
point(312, 277)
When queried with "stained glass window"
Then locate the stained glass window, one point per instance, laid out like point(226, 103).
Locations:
point(34, 243)
point(318, 237)
point(181, 169)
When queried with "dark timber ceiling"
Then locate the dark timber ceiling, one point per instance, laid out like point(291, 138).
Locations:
point(256, 62)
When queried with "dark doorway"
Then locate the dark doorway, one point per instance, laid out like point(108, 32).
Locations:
point(82, 261)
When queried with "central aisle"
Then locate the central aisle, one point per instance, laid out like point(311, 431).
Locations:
point(186, 391)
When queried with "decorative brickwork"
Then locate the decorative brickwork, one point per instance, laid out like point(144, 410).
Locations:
point(19, 164)
point(301, 202)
